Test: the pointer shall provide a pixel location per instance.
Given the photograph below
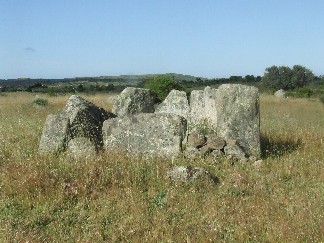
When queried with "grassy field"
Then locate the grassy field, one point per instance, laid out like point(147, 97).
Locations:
point(113, 198)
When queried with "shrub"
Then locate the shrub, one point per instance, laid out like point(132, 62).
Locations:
point(321, 98)
point(161, 85)
point(304, 93)
point(40, 102)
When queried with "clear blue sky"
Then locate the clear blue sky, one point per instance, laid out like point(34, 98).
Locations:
point(209, 38)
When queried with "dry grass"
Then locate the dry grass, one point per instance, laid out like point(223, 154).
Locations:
point(115, 198)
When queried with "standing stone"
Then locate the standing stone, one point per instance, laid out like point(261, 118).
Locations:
point(55, 134)
point(175, 103)
point(81, 148)
point(203, 108)
point(238, 116)
point(86, 119)
point(148, 134)
point(210, 96)
point(79, 118)
point(133, 101)
point(197, 107)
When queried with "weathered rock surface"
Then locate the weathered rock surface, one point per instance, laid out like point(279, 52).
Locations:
point(203, 108)
point(196, 140)
point(150, 134)
point(134, 100)
point(192, 153)
point(81, 148)
point(187, 173)
point(175, 103)
point(55, 134)
point(280, 94)
point(215, 142)
point(238, 116)
point(234, 152)
point(85, 119)
point(79, 118)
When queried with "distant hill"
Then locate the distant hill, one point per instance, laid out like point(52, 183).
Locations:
point(25, 82)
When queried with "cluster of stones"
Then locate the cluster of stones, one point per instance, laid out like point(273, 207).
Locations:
point(214, 147)
point(77, 129)
point(136, 126)
point(230, 114)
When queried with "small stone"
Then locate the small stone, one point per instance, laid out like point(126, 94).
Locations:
point(191, 153)
point(216, 154)
point(234, 152)
point(258, 164)
point(196, 139)
point(205, 151)
point(187, 173)
point(215, 142)
point(231, 142)
point(178, 173)
point(280, 94)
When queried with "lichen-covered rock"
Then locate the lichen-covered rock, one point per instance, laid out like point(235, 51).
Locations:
point(81, 148)
point(79, 118)
point(85, 119)
point(238, 116)
point(196, 140)
point(234, 152)
point(203, 108)
point(188, 173)
point(149, 134)
point(175, 103)
point(197, 107)
point(55, 134)
point(216, 154)
point(280, 94)
point(134, 100)
point(215, 142)
point(191, 153)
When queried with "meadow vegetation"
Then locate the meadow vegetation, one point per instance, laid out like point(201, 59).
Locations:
point(115, 198)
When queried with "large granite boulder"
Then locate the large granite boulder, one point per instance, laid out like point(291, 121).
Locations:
point(86, 119)
point(149, 134)
point(175, 103)
point(56, 134)
point(203, 108)
point(134, 100)
point(238, 116)
point(81, 148)
point(79, 118)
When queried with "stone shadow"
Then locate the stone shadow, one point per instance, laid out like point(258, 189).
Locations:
point(271, 148)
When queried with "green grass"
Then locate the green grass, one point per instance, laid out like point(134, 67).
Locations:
point(114, 198)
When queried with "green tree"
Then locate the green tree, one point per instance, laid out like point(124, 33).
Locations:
point(161, 85)
point(286, 78)
point(301, 76)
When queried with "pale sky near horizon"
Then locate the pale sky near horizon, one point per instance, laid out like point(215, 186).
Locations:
point(69, 38)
